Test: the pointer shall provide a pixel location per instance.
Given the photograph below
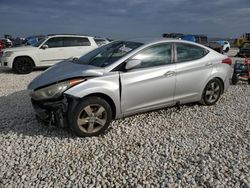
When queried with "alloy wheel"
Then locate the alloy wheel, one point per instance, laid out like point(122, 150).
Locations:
point(213, 92)
point(92, 118)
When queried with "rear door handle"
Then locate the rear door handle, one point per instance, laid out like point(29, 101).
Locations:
point(169, 73)
point(208, 64)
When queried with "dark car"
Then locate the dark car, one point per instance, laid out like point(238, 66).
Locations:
point(215, 46)
point(244, 50)
point(202, 39)
point(7, 43)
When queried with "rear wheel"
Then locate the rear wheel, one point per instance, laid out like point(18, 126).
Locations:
point(23, 65)
point(91, 117)
point(212, 92)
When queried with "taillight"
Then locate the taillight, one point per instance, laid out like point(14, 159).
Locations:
point(227, 61)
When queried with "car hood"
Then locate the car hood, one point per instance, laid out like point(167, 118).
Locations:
point(63, 71)
point(22, 48)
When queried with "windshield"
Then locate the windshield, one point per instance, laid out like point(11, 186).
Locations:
point(37, 44)
point(108, 54)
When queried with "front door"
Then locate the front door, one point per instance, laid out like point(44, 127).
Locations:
point(151, 84)
point(53, 54)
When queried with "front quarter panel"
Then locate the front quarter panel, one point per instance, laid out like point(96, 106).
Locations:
point(29, 53)
point(107, 84)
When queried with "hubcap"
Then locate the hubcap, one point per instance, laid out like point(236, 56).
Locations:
point(212, 92)
point(92, 118)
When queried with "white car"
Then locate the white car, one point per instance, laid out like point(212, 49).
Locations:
point(47, 52)
point(225, 45)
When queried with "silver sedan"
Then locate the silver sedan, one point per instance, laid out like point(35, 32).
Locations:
point(124, 78)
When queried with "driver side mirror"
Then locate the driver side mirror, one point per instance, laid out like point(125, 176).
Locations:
point(132, 63)
point(45, 46)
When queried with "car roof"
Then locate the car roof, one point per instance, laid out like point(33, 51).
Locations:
point(173, 40)
point(68, 35)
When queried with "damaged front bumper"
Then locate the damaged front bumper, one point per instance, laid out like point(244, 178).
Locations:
point(52, 112)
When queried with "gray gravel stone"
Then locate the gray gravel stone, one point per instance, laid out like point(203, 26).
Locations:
point(196, 146)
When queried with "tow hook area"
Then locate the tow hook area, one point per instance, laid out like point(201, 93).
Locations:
point(52, 112)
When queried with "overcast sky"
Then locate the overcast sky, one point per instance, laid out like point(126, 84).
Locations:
point(127, 19)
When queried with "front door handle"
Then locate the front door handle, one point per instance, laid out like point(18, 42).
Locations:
point(169, 73)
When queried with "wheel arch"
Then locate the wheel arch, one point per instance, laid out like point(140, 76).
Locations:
point(221, 81)
point(23, 56)
point(211, 78)
point(106, 98)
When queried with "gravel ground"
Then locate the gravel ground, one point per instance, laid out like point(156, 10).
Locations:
point(196, 146)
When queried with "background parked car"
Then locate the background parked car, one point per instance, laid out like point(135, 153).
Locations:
point(47, 52)
point(215, 46)
point(200, 39)
point(7, 43)
point(225, 45)
point(32, 40)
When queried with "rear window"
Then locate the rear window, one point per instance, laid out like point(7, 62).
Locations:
point(189, 52)
point(100, 42)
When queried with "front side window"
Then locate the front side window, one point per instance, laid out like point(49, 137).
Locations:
point(154, 56)
point(189, 52)
point(55, 42)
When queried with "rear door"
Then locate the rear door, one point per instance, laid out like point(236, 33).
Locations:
point(151, 84)
point(77, 46)
point(193, 67)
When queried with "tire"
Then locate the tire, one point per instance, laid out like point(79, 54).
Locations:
point(248, 81)
point(212, 92)
point(23, 65)
point(227, 49)
point(91, 117)
point(235, 79)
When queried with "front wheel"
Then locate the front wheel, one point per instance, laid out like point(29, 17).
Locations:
point(212, 92)
point(23, 65)
point(91, 117)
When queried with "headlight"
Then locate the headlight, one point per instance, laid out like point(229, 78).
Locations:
point(54, 91)
point(8, 53)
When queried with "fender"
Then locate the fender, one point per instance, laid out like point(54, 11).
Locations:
point(108, 85)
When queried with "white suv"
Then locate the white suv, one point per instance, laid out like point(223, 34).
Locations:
point(47, 52)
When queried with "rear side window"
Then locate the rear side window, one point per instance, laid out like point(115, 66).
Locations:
point(189, 52)
point(75, 41)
